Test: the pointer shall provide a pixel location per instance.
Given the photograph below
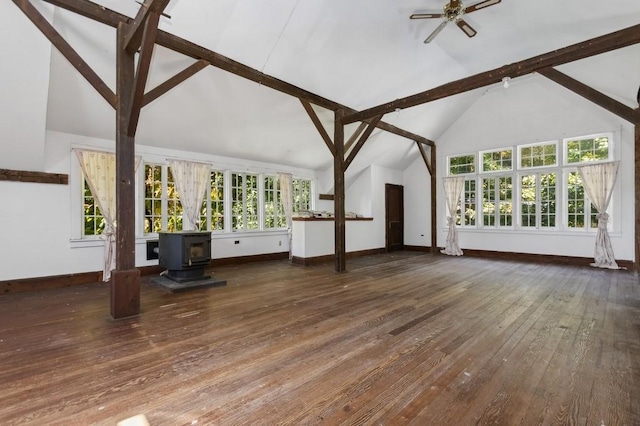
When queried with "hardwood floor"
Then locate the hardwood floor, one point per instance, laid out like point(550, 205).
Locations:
point(401, 338)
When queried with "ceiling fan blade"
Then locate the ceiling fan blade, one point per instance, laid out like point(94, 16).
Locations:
point(426, 15)
point(481, 5)
point(436, 32)
point(464, 26)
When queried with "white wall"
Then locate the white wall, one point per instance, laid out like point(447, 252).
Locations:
point(24, 81)
point(531, 110)
point(41, 223)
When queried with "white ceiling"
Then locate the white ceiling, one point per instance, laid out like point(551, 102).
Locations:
point(359, 53)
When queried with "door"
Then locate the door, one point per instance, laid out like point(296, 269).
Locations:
point(394, 206)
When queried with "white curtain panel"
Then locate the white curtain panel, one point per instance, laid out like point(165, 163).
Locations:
point(99, 169)
point(286, 192)
point(191, 180)
point(452, 188)
point(598, 180)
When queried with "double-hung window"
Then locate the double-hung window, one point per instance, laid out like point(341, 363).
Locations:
point(244, 202)
point(497, 188)
point(580, 213)
point(538, 185)
point(465, 165)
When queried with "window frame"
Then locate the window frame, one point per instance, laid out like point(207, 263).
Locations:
point(497, 150)
point(531, 145)
point(610, 148)
point(474, 164)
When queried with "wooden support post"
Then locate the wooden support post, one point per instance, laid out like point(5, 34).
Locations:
point(338, 177)
point(636, 145)
point(125, 280)
point(434, 204)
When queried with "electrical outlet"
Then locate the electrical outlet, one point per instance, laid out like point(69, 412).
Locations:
point(280, 243)
point(236, 242)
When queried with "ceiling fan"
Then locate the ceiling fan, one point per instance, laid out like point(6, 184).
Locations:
point(453, 12)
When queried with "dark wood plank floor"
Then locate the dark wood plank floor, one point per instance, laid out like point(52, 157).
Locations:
point(403, 338)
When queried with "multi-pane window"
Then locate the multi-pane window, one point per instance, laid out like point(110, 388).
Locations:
point(580, 212)
point(212, 211)
point(497, 202)
point(462, 164)
point(466, 214)
point(174, 208)
point(301, 195)
point(152, 198)
point(274, 216)
point(549, 193)
point(92, 217)
point(538, 200)
point(497, 160)
point(539, 155)
point(587, 148)
point(244, 202)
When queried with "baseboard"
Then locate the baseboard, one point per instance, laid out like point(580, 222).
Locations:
point(528, 257)
point(94, 277)
point(306, 261)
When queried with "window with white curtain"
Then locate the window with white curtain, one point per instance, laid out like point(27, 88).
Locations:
point(542, 190)
point(254, 203)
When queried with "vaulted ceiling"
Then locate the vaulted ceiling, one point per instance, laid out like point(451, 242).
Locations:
point(359, 53)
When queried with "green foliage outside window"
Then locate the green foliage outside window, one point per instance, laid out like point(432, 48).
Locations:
point(588, 149)
point(244, 202)
point(152, 198)
point(497, 160)
point(301, 195)
point(94, 222)
point(462, 164)
point(538, 155)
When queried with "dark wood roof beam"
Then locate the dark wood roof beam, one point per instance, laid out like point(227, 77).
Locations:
point(142, 72)
point(67, 51)
point(425, 157)
point(372, 125)
point(592, 47)
point(318, 124)
point(183, 75)
point(133, 38)
point(108, 17)
point(354, 136)
point(590, 94)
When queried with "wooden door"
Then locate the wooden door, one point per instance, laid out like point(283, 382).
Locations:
point(394, 206)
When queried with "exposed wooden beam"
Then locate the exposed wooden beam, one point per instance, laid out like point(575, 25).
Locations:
point(109, 17)
point(356, 134)
point(67, 51)
point(133, 38)
point(125, 279)
point(425, 157)
point(636, 146)
point(361, 141)
point(183, 75)
point(594, 46)
point(339, 194)
point(144, 63)
point(34, 177)
point(590, 94)
point(316, 122)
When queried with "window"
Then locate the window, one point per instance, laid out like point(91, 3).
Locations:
point(174, 208)
point(538, 200)
point(580, 212)
point(587, 148)
point(212, 211)
point(152, 198)
point(92, 217)
point(301, 195)
point(497, 202)
point(539, 155)
point(468, 205)
point(274, 216)
point(462, 164)
point(244, 202)
point(497, 160)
